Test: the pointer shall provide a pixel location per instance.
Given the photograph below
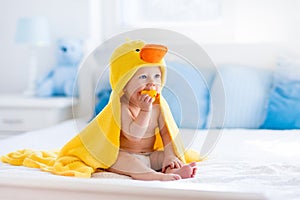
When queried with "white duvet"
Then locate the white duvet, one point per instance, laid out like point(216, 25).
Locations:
point(259, 161)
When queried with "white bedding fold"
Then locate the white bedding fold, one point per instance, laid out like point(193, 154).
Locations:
point(265, 161)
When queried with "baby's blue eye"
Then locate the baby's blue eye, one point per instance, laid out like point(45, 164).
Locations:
point(157, 76)
point(142, 77)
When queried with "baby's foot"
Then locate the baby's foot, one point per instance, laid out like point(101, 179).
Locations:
point(170, 177)
point(186, 171)
point(156, 176)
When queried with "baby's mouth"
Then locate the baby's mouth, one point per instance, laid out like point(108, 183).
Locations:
point(151, 93)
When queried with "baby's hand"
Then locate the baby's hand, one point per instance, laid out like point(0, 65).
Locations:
point(172, 162)
point(145, 102)
point(154, 94)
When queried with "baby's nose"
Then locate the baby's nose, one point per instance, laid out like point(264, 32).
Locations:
point(151, 83)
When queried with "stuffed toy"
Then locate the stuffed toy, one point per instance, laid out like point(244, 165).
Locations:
point(61, 80)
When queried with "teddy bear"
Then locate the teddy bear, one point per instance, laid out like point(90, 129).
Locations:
point(61, 80)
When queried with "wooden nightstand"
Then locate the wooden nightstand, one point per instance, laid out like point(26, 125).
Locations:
point(20, 113)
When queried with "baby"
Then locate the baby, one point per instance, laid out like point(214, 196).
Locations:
point(134, 135)
point(140, 117)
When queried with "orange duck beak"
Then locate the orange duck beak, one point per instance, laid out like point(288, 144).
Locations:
point(153, 53)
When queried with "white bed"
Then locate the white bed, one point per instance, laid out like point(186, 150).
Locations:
point(245, 163)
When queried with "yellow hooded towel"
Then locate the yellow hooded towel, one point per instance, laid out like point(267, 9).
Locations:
point(96, 147)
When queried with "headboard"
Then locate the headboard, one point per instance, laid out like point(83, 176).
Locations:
point(95, 66)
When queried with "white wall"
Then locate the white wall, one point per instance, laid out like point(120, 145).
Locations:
point(245, 21)
point(267, 21)
point(67, 18)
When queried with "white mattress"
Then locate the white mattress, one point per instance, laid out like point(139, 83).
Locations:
point(245, 161)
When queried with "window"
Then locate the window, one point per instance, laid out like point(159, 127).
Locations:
point(166, 12)
point(205, 21)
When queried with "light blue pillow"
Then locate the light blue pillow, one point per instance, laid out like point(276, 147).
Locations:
point(246, 91)
point(283, 110)
point(102, 92)
point(187, 93)
point(102, 100)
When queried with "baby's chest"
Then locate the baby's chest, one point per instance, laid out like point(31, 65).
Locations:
point(154, 121)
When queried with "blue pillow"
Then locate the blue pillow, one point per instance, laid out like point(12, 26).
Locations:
point(187, 94)
point(102, 92)
point(238, 96)
point(102, 100)
point(283, 108)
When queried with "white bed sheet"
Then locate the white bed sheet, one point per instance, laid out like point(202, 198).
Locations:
point(247, 161)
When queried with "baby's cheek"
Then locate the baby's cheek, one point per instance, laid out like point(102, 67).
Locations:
point(158, 89)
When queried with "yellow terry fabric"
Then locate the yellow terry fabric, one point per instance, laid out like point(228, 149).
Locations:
point(49, 161)
point(97, 145)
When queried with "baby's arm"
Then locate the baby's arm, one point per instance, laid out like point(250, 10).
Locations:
point(135, 127)
point(170, 158)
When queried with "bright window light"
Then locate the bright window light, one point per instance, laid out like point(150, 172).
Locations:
point(137, 12)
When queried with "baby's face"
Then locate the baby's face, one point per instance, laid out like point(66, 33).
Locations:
point(146, 78)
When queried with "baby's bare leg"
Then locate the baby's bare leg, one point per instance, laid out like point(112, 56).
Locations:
point(186, 171)
point(129, 165)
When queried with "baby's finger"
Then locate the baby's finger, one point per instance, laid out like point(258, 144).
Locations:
point(142, 97)
point(148, 99)
point(172, 165)
point(163, 170)
point(145, 98)
point(177, 165)
point(180, 164)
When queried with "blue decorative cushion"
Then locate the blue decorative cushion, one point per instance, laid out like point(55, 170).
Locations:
point(102, 92)
point(238, 96)
point(284, 104)
point(187, 93)
point(102, 100)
